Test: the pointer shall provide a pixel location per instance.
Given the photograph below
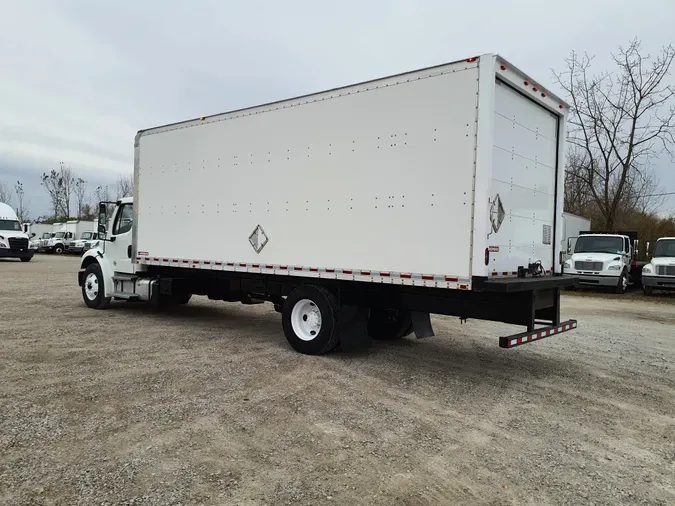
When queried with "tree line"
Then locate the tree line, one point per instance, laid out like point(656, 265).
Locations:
point(69, 195)
point(621, 124)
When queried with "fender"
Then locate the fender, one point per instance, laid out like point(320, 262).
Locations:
point(96, 256)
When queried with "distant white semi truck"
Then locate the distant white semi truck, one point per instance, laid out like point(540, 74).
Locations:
point(357, 212)
point(14, 242)
point(659, 272)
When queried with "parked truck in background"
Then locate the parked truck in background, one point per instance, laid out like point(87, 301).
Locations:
point(573, 226)
point(14, 242)
point(357, 212)
point(659, 272)
point(63, 234)
point(86, 241)
point(602, 259)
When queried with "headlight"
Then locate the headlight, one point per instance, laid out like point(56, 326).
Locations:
point(647, 269)
point(568, 264)
point(614, 268)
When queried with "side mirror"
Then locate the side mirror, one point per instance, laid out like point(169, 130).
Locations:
point(33, 234)
point(647, 250)
point(569, 245)
point(102, 218)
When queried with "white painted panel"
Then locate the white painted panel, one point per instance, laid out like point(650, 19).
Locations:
point(524, 177)
point(376, 176)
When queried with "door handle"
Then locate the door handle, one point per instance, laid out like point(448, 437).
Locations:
point(129, 251)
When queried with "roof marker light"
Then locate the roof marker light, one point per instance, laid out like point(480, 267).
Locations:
point(544, 95)
point(526, 83)
point(561, 106)
point(503, 67)
point(535, 89)
point(471, 60)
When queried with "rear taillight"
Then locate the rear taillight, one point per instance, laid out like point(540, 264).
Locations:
point(487, 256)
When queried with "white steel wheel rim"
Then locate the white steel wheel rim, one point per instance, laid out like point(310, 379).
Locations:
point(624, 281)
point(306, 320)
point(91, 286)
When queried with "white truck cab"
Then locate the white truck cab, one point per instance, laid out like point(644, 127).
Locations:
point(659, 273)
point(56, 243)
point(14, 242)
point(601, 260)
point(113, 256)
point(86, 241)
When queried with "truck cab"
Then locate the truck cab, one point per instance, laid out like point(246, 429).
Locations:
point(14, 242)
point(86, 241)
point(601, 260)
point(659, 272)
point(57, 243)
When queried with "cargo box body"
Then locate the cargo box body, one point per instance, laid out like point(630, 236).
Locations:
point(440, 177)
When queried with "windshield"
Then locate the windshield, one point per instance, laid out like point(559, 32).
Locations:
point(59, 235)
point(665, 248)
point(86, 235)
point(10, 225)
point(599, 244)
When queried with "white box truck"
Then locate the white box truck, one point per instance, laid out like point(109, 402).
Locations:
point(601, 259)
point(357, 212)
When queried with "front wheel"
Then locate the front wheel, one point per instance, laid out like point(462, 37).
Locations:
point(648, 290)
point(310, 317)
point(622, 285)
point(58, 249)
point(93, 288)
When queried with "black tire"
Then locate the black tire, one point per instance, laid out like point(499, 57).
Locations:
point(389, 324)
point(623, 283)
point(648, 290)
point(26, 259)
point(328, 336)
point(58, 249)
point(98, 301)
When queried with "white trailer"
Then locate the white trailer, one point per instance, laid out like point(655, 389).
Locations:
point(357, 211)
point(573, 226)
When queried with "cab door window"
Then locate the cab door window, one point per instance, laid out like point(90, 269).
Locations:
point(124, 219)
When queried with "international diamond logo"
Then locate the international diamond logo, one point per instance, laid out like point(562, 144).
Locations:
point(497, 213)
point(258, 239)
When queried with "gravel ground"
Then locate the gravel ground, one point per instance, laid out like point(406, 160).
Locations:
point(209, 405)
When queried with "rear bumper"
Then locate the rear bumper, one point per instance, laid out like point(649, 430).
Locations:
point(594, 279)
point(659, 282)
point(535, 335)
point(13, 253)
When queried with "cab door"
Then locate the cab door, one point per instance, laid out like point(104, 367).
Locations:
point(118, 246)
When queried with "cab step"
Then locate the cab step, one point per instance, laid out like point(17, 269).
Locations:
point(124, 277)
point(125, 295)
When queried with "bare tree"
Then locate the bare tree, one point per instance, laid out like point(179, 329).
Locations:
point(68, 180)
point(618, 122)
point(51, 182)
point(5, 194)
point(125, 186)
point(22, 210)
point(80, 195)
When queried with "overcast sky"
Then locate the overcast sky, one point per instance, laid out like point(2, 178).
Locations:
point(78, 78)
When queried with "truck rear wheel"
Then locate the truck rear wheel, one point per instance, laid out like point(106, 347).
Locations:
point(389, 324)
point(310, 317)
point(93, 288)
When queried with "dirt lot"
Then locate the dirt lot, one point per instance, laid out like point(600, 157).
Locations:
point(208, 405)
